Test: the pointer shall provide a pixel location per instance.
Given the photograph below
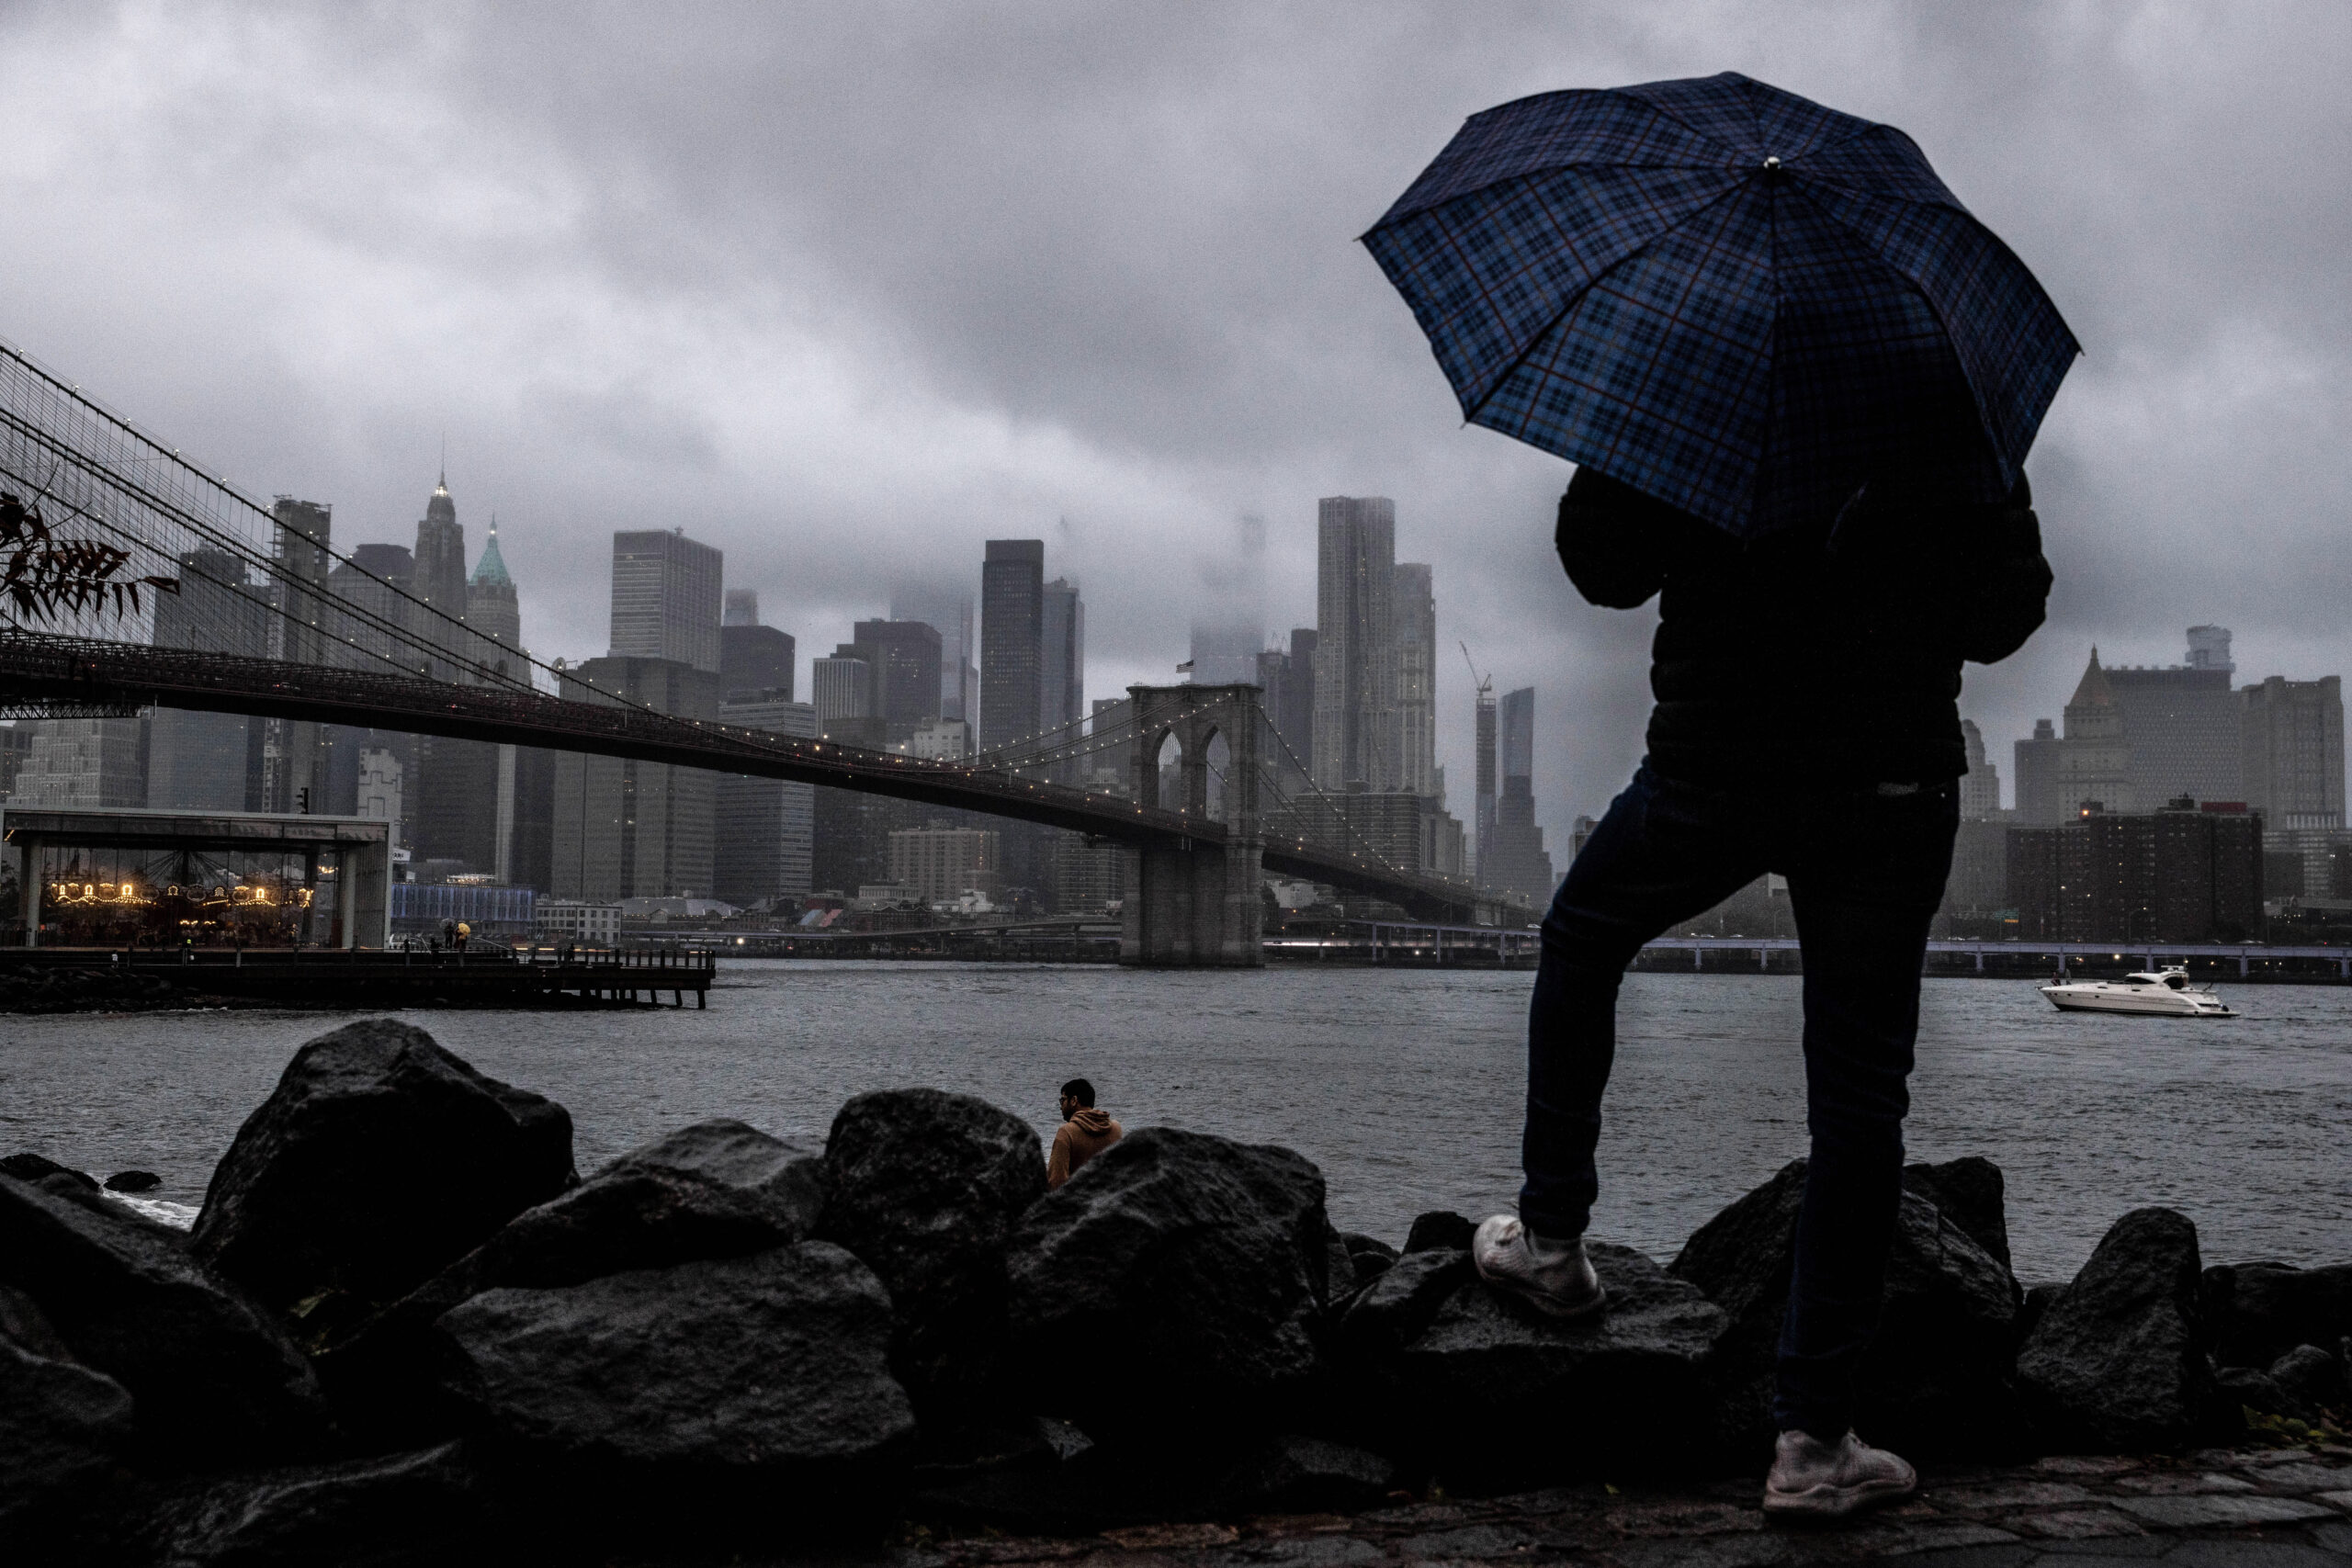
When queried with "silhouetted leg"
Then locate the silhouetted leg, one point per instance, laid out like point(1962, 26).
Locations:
point(1662, 854)
point(1864, 885)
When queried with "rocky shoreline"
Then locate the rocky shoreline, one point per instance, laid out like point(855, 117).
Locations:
point(404, 1330)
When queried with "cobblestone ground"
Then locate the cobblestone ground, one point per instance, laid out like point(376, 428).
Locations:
point(2220, 1508)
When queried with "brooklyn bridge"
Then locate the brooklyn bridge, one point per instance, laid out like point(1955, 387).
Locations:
point(390, 659)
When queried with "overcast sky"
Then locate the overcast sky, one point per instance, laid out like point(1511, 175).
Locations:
point(847, 290)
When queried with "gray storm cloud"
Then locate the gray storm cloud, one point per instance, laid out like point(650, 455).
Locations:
point(847, 291)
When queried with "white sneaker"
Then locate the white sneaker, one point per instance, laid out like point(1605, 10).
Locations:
point(1828, 1481)
point(1553, 1277)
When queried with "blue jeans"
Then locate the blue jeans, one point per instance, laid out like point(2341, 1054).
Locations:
point(1865, 870)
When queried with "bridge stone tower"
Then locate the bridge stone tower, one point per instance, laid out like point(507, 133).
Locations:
point(1189, 904)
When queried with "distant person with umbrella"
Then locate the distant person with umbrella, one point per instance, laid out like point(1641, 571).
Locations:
point(1799, 382)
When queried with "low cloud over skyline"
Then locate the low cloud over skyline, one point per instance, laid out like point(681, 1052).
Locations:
point(846, 290)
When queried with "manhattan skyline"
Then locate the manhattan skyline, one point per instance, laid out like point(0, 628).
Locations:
point(784, 320)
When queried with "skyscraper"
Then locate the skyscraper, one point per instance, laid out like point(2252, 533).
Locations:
point(628, 829)
point(1012, 636)
point(2034, 767)
point(755, 661)
point(2182, 724)
point(843, 687)
point(2294, 753)
point(287, 759)
point(440, 575)
point(1517, 862)
point(766, 825)
point(1061, 661)
point(1980, 787)
point(2095, 763)
point(1355, 708)
point(666, 591)
point(1415, 640)
point(1226, 653)
point(495, 620)
point(1486, 774)
point(198, 761)
point(902, 661)
point(1288, 677)
point(452, 799)
point(947, 611)
point(493, 612)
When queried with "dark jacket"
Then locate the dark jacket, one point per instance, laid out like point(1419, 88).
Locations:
point(1822, 655)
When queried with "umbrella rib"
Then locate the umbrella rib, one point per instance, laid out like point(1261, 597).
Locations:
point(1470, 413)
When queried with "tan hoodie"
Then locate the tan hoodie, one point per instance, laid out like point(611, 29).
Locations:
point(1078, 1140)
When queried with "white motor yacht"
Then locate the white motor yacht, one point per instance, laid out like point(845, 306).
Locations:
point(2165, 993)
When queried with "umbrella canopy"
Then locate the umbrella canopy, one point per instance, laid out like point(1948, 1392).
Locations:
point(1727, 296)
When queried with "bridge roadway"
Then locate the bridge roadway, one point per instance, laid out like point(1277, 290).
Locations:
point(38, 668)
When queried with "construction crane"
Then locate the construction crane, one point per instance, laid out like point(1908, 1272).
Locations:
point(1486, 683)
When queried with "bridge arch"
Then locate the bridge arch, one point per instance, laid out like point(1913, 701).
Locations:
point(1197, 905)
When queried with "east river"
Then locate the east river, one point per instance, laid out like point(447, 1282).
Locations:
point(1403, 1085)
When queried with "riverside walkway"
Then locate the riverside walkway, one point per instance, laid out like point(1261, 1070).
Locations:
point(2215, 1508)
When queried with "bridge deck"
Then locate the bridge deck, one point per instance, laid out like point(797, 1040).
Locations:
point(95, 675)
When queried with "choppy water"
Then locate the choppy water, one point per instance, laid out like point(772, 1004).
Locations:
point(1403, 1086)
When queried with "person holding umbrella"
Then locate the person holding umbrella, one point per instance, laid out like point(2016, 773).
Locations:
point(1798, 381)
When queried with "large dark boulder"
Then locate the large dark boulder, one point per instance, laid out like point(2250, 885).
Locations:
point(1391, 1311)
point(717, 1189)
point(212, 1374)
point(382, 1512)
point(1185, 1269)
point(1440, 1230)
point(1936, 1378)
point(33, 1167)
point(1368, 1256)
point(2258, 1311)
point(737, 1381)
point(2118, 1361)
point(378, 1160)
point(1495, 1395)
point(62, 1425)
point(924, 1187)
point(1970, 1193)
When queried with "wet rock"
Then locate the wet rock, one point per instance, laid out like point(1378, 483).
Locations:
point(62, 1427)
point(378, 1160)
point(2237, 1389)
point(1191, 1265)
point(1371, 1256)
point(32, 1168)
point(133, 1182)
point(924, 1187)
point(426, 1506)
point(1936, 1378)
point(763, 1379)
point(1440, 1230)
point(1295, 1474)
point(1390, 1312)
point(212, 1374)
point(1969, 1192)
point(1339, 1269)
point(2116, 1363)
point(2258, 1311)
point(2313, 1381)
point(717, 1189)
point(1495, 1395)
point(25, 1326)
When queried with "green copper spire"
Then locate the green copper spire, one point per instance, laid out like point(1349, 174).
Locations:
point(491, 567)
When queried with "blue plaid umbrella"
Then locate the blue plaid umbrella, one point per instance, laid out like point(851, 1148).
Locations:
point(1728, 297)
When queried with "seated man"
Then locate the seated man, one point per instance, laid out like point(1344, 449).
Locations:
point(1084, 1132)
